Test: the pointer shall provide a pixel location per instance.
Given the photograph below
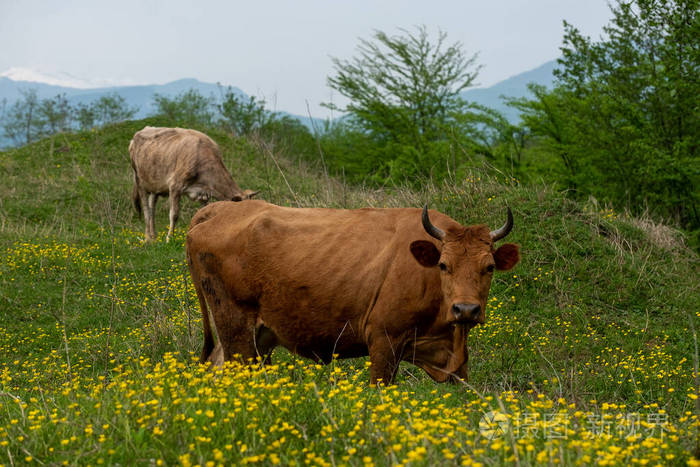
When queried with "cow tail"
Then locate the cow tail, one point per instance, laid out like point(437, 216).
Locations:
point(135, 198)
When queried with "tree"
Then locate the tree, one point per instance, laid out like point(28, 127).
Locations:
point(112, 108)
point(3, 116)
point(3, 109)
point(30, 118)
point(624, 115)
point(84, 114)
point(22, 123)
point(108, 109)
point(485, 131)
point(55, 114)
point(551, 116)
point(404, 92)
point(189, 108)
point(241, 116)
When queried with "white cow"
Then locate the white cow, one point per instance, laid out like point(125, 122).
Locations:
point(176, 161)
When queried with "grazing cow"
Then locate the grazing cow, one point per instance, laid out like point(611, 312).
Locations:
point(176, 161)
point(325, 282)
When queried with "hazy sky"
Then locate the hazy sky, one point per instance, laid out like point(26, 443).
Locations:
point(278, 50)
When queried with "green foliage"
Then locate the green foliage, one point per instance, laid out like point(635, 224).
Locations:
point(110, 109)
point(22, 123)
point(551, 116)
point(249, 117)
point(189, 108)
point(55, 114)
point(290, 137)
point(624, 118)
point(240, 116)
point(354, 154)
point(84, 116)
point(30, 118)
point(494, 136)
point(404, 92)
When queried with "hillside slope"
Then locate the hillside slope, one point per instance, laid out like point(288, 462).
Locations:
point(98, 332)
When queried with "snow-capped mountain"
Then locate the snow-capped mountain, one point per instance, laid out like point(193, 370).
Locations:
point(60, 78)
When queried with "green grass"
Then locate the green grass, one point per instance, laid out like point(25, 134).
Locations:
point(594, 330)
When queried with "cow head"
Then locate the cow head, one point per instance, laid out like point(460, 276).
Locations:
point(466, 260)
point(247, 194)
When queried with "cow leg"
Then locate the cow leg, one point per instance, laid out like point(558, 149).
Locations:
point(216, 357)
point(461, 375)
point(208, 345)
point(265, 343)
point(144, 210)
point(235, 327)
point(142, 207)
point(234, 323)
point(384, 357)
point(149, 216)
point(174, 211)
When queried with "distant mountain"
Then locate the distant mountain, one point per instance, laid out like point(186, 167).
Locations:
point(515, 86)
point(15, 80)
point(140, 96)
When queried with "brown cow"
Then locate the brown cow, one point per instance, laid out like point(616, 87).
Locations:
point(383, 282)
point(176, 161)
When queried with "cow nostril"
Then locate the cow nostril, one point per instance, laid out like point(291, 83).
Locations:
point(475, 311)
point(466, 310)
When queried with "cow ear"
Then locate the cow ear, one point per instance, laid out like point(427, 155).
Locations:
point(425, 253)
point(249, 194)
point(507, 256)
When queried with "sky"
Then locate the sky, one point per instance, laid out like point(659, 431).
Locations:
point(276, 50)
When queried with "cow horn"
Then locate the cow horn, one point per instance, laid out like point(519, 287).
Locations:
point(505, 230)
point(429, 227)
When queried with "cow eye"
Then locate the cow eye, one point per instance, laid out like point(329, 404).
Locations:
point(490, 268)
point(443, 267)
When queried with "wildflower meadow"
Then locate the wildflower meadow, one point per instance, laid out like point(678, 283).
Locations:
point(589, 354)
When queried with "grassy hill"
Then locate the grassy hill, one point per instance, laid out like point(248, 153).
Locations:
point(589, 353)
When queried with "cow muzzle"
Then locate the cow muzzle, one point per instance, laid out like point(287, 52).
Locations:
point(466, 312)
